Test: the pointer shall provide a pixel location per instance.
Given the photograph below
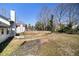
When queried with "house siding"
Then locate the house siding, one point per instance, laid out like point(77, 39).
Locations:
point(4, 35)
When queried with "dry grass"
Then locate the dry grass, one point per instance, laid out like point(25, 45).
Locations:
point(54, 44)
point(13, 45)
point(61, 44)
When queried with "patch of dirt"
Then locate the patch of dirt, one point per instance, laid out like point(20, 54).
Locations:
point(28, 48)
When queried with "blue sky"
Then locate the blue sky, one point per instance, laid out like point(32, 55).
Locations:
point(26, 12)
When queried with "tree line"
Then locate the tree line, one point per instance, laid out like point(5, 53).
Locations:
point(63, 18)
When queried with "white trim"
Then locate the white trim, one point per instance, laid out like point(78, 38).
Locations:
point(4, 21)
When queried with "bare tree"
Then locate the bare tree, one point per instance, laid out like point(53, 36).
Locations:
point(73, 13)
point(59, 12)
point(44, 16)
point(66, 13)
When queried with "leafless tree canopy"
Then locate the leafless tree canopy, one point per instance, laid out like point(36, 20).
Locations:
point(66, 14)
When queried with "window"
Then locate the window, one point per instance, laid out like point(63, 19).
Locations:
point(7, 31)
point(2, 32)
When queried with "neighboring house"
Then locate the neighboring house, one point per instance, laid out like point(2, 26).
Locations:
point(7, 26)
point(20, 28)
point(75, 26)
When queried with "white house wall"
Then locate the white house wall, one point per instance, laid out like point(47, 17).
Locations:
point(4, 36)
point(8, 24)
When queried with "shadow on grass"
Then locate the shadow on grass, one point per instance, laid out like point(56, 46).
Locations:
point(4, 44)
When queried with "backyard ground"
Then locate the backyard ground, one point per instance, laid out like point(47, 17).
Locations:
point(43, 43)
